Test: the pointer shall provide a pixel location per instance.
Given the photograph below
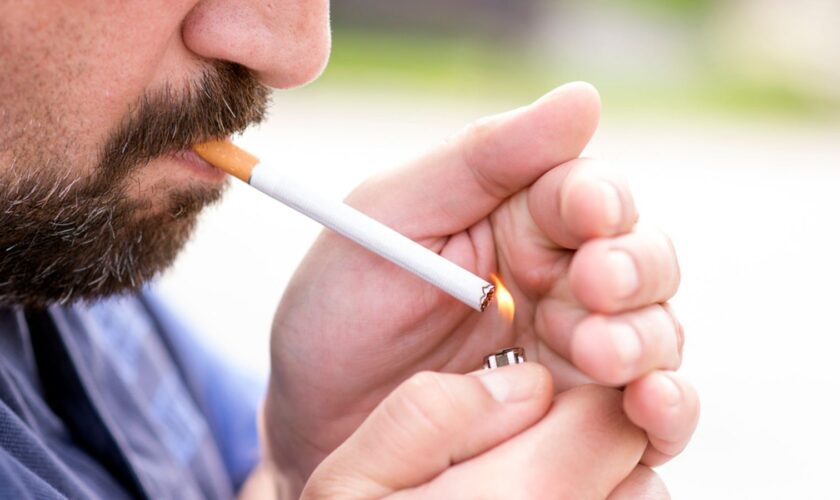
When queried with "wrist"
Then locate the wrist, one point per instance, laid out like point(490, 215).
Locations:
point(265, 482)
point(289, 457)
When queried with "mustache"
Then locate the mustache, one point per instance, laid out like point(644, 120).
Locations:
point(225, 100)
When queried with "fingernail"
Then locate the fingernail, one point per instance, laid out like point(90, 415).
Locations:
point(508, 384)
point(612, 205)
point(622, 268)
point(627, 344)
point(668, 390)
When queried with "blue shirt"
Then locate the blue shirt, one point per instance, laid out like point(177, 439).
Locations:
point(116, 399)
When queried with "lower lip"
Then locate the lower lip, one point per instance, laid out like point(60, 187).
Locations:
point(198, 166)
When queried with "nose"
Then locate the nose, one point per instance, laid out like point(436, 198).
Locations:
point(286, 43)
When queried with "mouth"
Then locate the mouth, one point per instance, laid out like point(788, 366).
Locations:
point(197, 166)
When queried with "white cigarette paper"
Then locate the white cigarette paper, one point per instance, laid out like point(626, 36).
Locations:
point(375, 236)
point(349, 222)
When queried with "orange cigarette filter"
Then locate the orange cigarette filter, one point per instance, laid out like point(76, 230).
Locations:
point(228, 157)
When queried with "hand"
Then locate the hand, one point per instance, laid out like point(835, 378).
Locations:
point(496, 434)
point(508, 196)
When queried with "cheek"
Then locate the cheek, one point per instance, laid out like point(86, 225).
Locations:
point(126, 53)
point(72, 71)
point(36, 95)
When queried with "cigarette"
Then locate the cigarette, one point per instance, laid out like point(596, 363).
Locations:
point(350, 223)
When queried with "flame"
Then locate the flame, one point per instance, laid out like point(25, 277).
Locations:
point(504, 299)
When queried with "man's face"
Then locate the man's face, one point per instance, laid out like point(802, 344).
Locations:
point(99, 104)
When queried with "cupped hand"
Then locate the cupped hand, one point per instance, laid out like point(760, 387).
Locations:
point(507, 195)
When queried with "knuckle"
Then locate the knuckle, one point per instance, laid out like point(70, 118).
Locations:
point(477, 129)
point(475, 149)
point(679, 330)
point(659, 335)
point(660, 266)
point(670, 252)
point(425, 402)
point(469, 137)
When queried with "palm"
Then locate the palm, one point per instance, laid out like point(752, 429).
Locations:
point(376, 324)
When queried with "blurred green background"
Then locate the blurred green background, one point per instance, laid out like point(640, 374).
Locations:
point(751, 58)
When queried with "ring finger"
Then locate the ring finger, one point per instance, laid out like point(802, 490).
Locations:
point(615, 349)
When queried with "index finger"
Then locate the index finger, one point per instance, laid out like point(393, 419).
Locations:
point(454, 187)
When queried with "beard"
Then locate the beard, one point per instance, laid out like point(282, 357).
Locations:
point(66, 238)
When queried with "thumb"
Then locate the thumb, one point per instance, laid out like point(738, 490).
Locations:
point(429, 423)
point(457, 185)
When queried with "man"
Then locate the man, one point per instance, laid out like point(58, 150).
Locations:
point(102, 394)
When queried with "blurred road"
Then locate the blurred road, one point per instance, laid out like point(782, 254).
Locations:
point(751, 209)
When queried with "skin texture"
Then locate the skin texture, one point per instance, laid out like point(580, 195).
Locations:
point(506, 195)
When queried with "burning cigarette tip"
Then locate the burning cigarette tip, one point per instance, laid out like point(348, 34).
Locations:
point(489, 291)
